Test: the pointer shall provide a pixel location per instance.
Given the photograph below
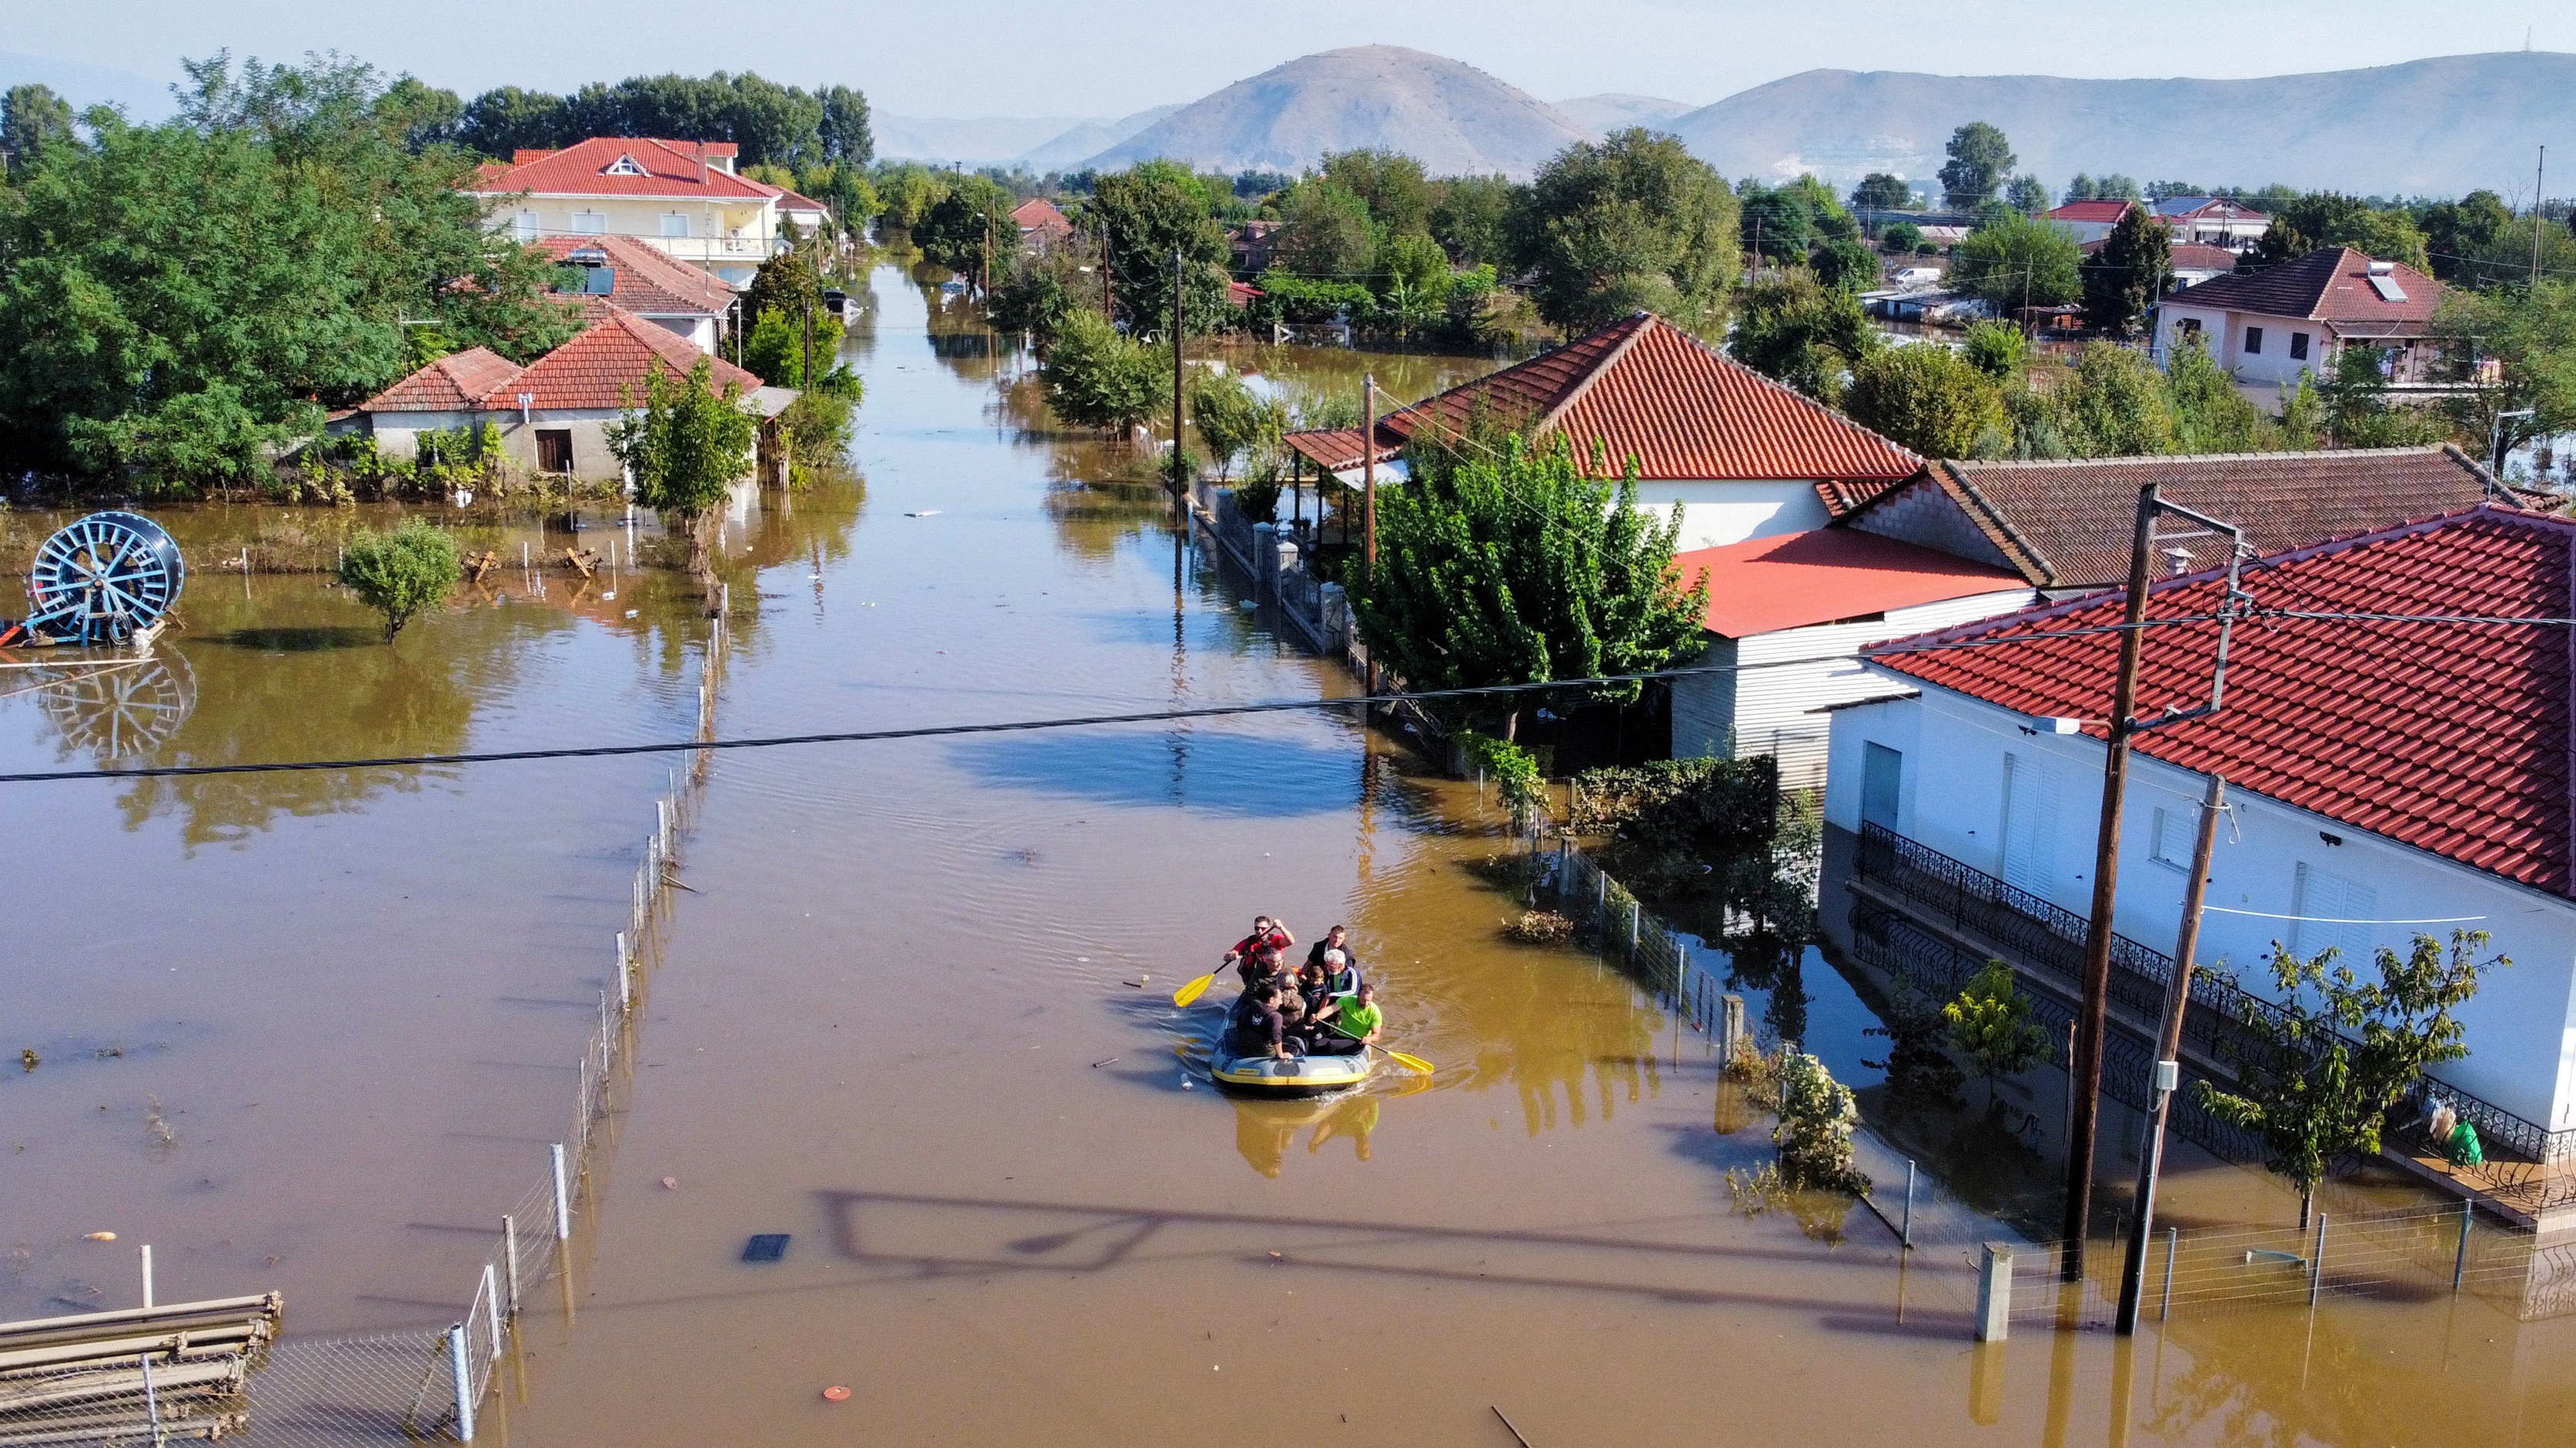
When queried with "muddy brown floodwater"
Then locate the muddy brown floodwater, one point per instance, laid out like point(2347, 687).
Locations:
point(916, 1013)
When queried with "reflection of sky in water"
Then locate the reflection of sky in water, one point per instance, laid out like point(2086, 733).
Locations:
point(1242, 775)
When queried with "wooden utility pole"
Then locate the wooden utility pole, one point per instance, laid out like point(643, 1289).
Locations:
point(2084, 1075)
point(1180, 473)
point(1108, 310)
point(2142, 1219)
point(1368, 499)
point(2539, 179)
point(809, 339)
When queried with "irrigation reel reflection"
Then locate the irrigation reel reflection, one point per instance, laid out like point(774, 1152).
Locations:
point(114, 710)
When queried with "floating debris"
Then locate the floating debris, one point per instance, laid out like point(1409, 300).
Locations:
point(765, 1247)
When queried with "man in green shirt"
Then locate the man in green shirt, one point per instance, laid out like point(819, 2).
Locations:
point(1351, 1021)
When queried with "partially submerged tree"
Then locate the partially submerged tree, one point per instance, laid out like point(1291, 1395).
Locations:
point(1095, 376)
point(1517, 565)
point(2016, 260)
point(1231, 421)
point(1794, 329)
point(2321, 1068)
point(685, 444)
point(402, 573)
point(1990, 1023)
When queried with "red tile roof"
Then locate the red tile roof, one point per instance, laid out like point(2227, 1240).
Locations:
point(2330, 285)
point(607, 367)
point(671, 168)
point(1792, 580)
point(647, 280)
point(2187, 255)
point(2448, 737)
point(2110, 211)
point(1040, 214)
point(453, 383)
point(1337, 449)
point(1643, 389)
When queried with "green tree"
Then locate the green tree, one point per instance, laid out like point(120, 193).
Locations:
point(2210, 415)
point(2116, 187)
point(2116, 404)
point(502, 121)
point(32, 120)
point(1998, 349)
point(1325, 233)
point(2019, 261)
point(2358, 412)
point(1632, 223)
point(2126, 276)
point(421, 115)
point(1096, 376)
point(1231, 420)
point(2080, 189)
point(1520, 565)
point(2027, 195)
point(909, 191)
point(1774, 222)
point(685, 446)
point(2302, 223)
point(2331, 1058)
point(1879, 191)
point(1900, 237)
point(401, 573)
point(1818, 1115)
point(1148, 212)
point(1928, 398)
point(1471, 218)
point(1793, 329)
point(1990, 1023)
point(1980, 159)
point(2529, 333)
point(1389, 183)
point(975, 210)
point(847, 139)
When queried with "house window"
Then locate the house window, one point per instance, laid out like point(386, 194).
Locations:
point(2298, 346)
point(554, 449)
point(525, 227)
point(675, 223)
point(590, 223)
point(624, 166)
point(1882, 773)
point(2188, 326)
point(2030, 824)
point(2168, 843)
point(2334, 912)
point(2253, 341)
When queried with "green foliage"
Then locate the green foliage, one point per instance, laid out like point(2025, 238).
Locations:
point(954, 230)
point(2017, 261)
point(1817, 1117)
point(2210, 415)
point(181, 302)
point(1231, 420)
point(1521, 568)
point(1918, 1070)
point(1774, 223)
point(1998, 349)
point(773, 124)
point(2530, 334)
point(2302, 223)
point(1097, 377)
point(401, 573)
point(1513, 770)
point(816, 427)
point(1980, 159)
point(1471, 218)
point(1926, 397)
point(2116, 404)
point(1147, 213)
point(2026, 195)
point(1325, 233)
point(684, 443)
point(2336, 1053)
point(33, 120)
point(1791, 328)
point(2358, 412)
point(2127, 275)
point(1389, 183)
point(1287, 298)
point(1633, 223)
point(2113, 187)
point(1900, 237)
point(1990, 1024)
point(2456, 233)
point(908, 191)
point(1879, 191)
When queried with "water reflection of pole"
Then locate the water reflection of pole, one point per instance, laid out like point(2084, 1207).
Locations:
point(2123, 1378)
point(2133, 1272)
point(1180, 647)
point(2061, 1365)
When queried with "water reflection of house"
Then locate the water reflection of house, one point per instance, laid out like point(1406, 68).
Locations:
point(2387, 779)
point(1742, 455)
point(553, 414)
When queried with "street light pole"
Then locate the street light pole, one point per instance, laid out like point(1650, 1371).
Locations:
point(2142, 1221)
point(2084, 1074)
point(1180, 476)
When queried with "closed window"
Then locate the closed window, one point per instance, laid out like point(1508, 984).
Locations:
point(554, 449)
point(2298, 346)
point(526, 226)
point(2253, 341)
point(2334, 913)
point(675, 223)
point(2030, 824)
point(590, 223)
point(2169, 840)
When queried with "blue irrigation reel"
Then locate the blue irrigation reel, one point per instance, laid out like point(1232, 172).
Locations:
point(101, 581)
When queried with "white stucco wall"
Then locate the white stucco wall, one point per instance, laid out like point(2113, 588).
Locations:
point(2521, 1033)
point(1716, 513)
point(397, 434)
point(2225, 334)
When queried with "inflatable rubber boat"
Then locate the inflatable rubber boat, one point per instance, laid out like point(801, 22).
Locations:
point(1262, 1074)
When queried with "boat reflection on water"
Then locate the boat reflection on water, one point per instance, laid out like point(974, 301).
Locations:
point(1265, 1130)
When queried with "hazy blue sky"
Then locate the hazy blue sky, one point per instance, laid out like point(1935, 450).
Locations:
point(1107, 57)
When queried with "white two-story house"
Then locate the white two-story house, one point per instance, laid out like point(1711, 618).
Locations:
point(2271, 327)
point(2386, 779)
point(680, 196)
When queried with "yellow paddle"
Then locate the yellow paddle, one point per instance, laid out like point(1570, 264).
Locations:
point(1410, 1063)
point(1193, 990)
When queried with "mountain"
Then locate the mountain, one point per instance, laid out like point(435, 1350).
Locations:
point(972, 141)
point(2441, 127)
point(1617, 111)
point(84, 86)
point(1455, 119)
point(1066, 152)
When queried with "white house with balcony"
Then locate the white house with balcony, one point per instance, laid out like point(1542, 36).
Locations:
point(681, 196)
point(2269, 328)
point(2385, 781)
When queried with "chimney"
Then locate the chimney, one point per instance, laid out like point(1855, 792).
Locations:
point(702, 163)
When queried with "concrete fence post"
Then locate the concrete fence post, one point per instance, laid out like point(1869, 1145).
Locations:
point(625, 983)
point(492, 1307)
point(563, 1193)
point(1907, 1232)
point(1730, 1028)
point(510, 1258)
point(2460, 1261)
point(457, 1359)
point(2173, 1245)
point(1994, 1292)
point(2317, 1261)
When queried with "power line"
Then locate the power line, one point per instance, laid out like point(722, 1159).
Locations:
point(1022, 726)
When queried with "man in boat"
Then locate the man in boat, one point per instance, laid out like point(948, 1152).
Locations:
point(1349, 1024)
point(1263, 1028)
point(1268, 937)
point(1346, 971)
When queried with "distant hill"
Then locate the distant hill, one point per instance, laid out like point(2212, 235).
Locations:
point(973, 141)
point(2441, 126)
point(84, 86)
point(1616, 111)
point(1454, 118)
point(1067, 151)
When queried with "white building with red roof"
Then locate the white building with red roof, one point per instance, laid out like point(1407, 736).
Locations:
point(1743, 456)
point(680, 196)
point(2389, 778)
point(641, 279)
point(553, 414)
point(1787, 617)
point(2200, 220)
point(2271, 327)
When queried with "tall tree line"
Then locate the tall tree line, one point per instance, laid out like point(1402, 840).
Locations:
point(775, 125)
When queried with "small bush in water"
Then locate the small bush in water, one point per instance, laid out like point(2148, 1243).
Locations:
point(398, 574)
point(1817, 1117)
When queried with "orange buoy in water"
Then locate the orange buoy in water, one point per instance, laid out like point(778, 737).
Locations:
point(836, 1394)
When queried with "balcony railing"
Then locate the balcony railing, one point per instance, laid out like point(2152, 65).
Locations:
point(2049, 938)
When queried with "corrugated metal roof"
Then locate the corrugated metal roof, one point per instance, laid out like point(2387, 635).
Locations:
point(1793, 580)
point(2451, 738)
